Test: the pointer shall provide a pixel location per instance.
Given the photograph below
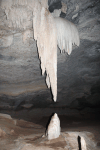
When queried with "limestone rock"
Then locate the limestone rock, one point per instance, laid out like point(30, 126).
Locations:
point(27, 35)
point(2, 133)
point(64, 7)
point(27, 105)
point(5, 116)
point(6, 41)
point(31, 147)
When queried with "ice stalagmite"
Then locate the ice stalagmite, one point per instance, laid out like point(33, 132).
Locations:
point(45, 34)
point(53, 130)
point(83, 144)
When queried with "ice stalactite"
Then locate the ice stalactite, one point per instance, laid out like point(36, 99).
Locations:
point(67, 35)
point(45, 34)
point(48, 32)
point(53, 130)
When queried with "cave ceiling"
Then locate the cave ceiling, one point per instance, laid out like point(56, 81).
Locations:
point(78, 74)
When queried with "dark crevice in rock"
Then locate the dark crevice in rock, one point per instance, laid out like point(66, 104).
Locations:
point(62, 15)
point(79, 143)
point(55, 5)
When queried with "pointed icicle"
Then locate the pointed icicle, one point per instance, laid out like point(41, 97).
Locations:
point(45, 34)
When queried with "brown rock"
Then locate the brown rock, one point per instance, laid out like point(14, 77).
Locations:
point(2, 133)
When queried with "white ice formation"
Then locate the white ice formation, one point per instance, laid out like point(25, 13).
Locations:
point(53, 130)
point(83, 144)
point(67, 35)
point(48, 32)
point(56, 13)
point(45, 34)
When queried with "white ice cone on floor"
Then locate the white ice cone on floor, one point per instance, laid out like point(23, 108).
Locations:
point(83, 144)
point(53, 130)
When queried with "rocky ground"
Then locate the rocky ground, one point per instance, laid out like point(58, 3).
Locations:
point(18, 134)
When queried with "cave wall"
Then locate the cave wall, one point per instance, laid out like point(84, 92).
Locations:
point(78, 74)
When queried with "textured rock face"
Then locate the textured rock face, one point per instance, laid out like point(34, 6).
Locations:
point(78, 74)
point(18, 50)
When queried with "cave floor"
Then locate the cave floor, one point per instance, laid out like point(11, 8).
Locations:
point(19, 134)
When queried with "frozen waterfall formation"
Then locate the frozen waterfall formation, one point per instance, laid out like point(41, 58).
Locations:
point(53, 130)
point(49, 32)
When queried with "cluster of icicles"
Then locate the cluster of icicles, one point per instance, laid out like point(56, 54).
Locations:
point(48, 32)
